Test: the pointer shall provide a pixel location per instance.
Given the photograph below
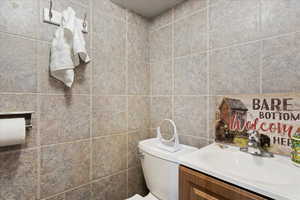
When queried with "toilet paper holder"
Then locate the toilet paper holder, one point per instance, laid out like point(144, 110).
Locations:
point(27, 115)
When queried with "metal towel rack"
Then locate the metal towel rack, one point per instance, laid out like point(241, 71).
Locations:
point(54, 17)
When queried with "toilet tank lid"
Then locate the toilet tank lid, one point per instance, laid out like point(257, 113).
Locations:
point(150, 146)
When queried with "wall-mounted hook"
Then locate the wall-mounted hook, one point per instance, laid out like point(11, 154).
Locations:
point(50, 10)
point(84, 21)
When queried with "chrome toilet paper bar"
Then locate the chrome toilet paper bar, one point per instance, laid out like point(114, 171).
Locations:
point(27, 115)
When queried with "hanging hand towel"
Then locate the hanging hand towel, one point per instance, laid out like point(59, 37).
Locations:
point(68, 48)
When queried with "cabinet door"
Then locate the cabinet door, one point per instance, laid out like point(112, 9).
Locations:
point(197, 186)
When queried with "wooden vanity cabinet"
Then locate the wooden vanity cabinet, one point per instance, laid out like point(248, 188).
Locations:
point(194, 185)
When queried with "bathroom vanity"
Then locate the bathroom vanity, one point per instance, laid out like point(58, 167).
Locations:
point(195, 185)
point(226, 173)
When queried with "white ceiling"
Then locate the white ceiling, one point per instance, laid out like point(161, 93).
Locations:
point(148, 8)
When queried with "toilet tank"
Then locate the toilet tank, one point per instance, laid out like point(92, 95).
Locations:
point(161, 168)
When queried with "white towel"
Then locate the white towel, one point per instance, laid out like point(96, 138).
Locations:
point(68, 48)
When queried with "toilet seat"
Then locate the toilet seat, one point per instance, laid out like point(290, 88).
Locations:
point(139, 197)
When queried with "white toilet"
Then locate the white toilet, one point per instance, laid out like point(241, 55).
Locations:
point(160, 169)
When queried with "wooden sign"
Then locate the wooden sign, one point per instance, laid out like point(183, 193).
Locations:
point(275, 117)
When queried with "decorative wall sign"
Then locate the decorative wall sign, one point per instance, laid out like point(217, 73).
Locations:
point(275, 117)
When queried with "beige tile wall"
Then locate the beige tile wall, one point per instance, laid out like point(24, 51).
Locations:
point(84, 140)
point(205, 48)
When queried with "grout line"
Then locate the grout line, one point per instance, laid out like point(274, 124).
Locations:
point(208, 111)
point(151, 80)
point(208, 6)
point(155, 95)
point(173, 20)
point(38, 108)
point(92, 65)
point(39, 150)
point(230, 46)
point(85, 184)
point(254, 41)
point(62, 143)
point(173, 69)
point(261, 68)
point(261, 47)
point(127, 99)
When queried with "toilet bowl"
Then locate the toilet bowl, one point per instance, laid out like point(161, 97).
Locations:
point(160, 168)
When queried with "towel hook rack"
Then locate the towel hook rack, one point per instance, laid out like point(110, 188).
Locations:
point(50, 10)
point(54, 17)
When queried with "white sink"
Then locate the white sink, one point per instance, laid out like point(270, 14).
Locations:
point(274, 177)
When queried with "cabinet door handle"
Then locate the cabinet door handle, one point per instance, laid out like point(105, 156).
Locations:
point(203, 194)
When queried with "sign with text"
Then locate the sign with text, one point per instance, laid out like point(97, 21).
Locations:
point(275, 117)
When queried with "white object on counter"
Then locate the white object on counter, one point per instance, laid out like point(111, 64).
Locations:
point(171, 145)
point(12, 131)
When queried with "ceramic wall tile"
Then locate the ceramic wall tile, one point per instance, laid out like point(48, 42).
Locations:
point(235, 70)
point(161, 20)
point(138, 39)
point(109, 75)
point(57, 197)
point(64, 166)
point(107, 83)
point(19, 17)
point(280, 64)
point(191, 34)
point(18, 64)
point(190, 75)
point(234, 21)
point(212, 117)
point(109, 155)
point(133, 139)
point(109, 36)
point(109, 115)
point(193, 141)
point(18, 178)
point(138, 78)
point(110, 188)
point(161, 108)
point(82, 193)
point(161, 78)
point(64, 118)
point(190, 114)
point(134, 18)
point(138, 112)
point(279, 17)
point(136, 182)
point(160, 45)
point(188, 7)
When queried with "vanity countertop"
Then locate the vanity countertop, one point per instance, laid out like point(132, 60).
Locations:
point(275, 177)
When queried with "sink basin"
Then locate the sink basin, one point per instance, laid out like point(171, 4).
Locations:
point(274, 177)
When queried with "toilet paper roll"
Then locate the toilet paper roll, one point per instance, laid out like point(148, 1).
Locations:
point(12, 131)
